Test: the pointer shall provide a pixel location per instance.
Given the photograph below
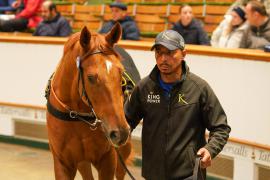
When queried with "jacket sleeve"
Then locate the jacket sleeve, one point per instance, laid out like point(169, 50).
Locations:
point(64, 28)
point(215, 121)
point(254, 42)
point(131, 31)
point(258, 42)
point(106, 27)
point(203, 37)
point(31, 8)
point(217, 33)
point(132, 108)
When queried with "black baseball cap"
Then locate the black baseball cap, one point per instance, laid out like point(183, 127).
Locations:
point(119, 5)
point(171, 39)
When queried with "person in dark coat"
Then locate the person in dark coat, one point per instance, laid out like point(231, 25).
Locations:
point(130, 30)
point(177, 107)
point(53, 23)
point(190, 28)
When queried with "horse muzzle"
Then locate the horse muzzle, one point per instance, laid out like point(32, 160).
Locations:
point(119, 136)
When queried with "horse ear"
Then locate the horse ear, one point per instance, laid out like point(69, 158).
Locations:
point(115, 34)
point(85, 38)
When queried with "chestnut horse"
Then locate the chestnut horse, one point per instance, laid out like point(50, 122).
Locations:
point(84, 91)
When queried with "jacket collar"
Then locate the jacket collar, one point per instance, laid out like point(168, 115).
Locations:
point(54, 19)
point(262, 27)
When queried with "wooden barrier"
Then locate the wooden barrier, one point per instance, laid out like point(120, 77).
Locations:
point(248, 54)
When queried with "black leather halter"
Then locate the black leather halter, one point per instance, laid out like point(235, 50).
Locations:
point(90, 118)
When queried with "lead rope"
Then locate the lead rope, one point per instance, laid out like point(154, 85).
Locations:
point(123, 164)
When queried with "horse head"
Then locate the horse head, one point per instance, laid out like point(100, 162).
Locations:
point(95, 80)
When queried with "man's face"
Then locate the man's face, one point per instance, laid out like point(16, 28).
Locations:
point(46, 13)
point(168, 62)
point(186, 15)
point(250, 15)
point(117, 13)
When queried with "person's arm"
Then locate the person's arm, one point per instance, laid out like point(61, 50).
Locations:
point(31, 8)
point(217, 33)
point(203, 37)
point(64, 28)
point(106, 27)
point(215, 121)
point(259, 42)
point(131, 31)
point(133, 109)
point(246, 39)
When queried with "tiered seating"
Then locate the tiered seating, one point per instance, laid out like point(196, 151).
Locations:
point(89, 16)
point(150, 16)
point(213, 16)
point(151, 19)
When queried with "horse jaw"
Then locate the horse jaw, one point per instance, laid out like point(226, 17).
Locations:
point(114, 35)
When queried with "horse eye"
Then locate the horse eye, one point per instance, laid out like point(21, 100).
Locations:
point(92, 79)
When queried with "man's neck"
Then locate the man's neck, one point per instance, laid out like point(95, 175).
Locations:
point(261, 21)
point(171, 78)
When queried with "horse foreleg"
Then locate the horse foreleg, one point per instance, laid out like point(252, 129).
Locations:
point(61, 171)
point(125, 152)
point(85, 170)
point(106, 167)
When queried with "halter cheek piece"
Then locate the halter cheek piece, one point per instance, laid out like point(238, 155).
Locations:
point(89, 118)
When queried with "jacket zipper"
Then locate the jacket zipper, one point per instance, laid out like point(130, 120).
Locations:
point(167, 134)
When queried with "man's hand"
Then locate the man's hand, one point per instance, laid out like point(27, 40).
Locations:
point(16, 4)
point(206, 157)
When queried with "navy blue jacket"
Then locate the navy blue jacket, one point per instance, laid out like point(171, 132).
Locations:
point(58, 26)
point(130, 30)
point(193, 33)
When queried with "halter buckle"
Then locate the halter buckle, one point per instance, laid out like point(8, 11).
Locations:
point(73, 114)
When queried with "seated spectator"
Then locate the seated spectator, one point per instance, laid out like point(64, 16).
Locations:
point(230, 31)
point(53, 23)
point(244, 2)
point(26, 18)
point(6, 6)
point(190, 28)
point(258, 34)
point(130, 30)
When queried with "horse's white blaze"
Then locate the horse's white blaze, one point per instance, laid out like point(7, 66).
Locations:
point(109, 66)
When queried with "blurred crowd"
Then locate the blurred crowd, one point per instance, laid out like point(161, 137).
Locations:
point(245, 25)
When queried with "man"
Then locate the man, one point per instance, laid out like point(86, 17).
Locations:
point(190, 28)
point(26, 18)
point(53, 23)
point(130, 30)
point(258, 34)
point(176, 107)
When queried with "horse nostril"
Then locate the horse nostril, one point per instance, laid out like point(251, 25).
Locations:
point(114, 135)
